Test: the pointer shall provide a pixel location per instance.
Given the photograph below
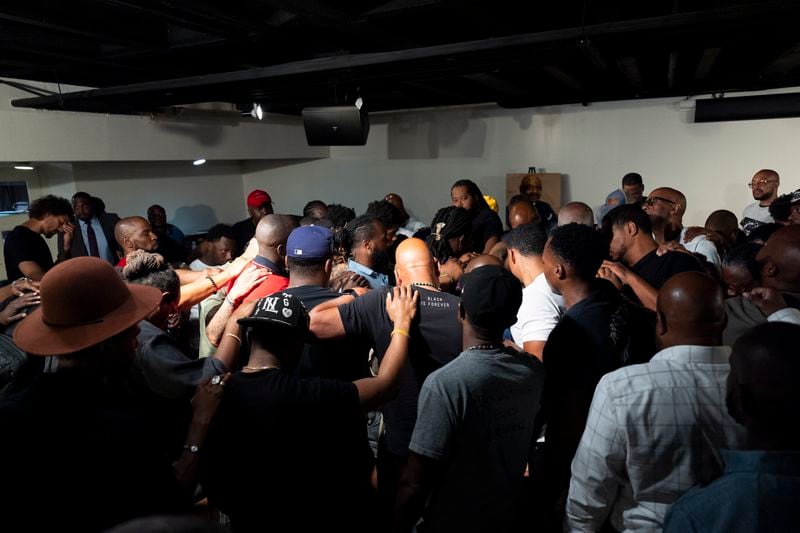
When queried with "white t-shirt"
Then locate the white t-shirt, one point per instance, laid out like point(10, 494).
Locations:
point(540, 311)
point(702, 245)
point(753, 216)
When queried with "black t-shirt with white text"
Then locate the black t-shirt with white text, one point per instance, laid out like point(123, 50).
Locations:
point(435, 341)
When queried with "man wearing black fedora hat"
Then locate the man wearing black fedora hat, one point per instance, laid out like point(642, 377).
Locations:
point(78, 457)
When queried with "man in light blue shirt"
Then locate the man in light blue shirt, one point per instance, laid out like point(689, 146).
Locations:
point(368, 244)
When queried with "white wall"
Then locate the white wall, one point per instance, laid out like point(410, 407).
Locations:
point(195, 198)
point(420, 154)
point(43, 136)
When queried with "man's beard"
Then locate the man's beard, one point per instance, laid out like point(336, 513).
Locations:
point(380, 261)
point(761, 196)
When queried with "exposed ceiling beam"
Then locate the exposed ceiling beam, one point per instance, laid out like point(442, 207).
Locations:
point(563, 77)
point(496, 84)
point(393, 7)
point(707, 62)
point(672, 69)
point(414, 63)
point(784, 63)
point(110, 37)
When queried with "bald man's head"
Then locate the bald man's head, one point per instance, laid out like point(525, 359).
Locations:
point(691, 310)
point(665, 205)
point(414, 263)
point(135, 233)
point(724, 223)
point(521, 213)
point(271, 234)
point(779, 260)
point(577, 213)
point(764, 385)
point(481, 261)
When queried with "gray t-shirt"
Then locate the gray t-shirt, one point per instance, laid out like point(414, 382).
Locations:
point(476, 415)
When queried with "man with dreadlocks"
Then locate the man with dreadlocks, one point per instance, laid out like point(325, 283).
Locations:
point(449, 239)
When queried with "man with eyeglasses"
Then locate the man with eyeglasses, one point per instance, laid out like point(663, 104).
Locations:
point(765, 189)
point(666, 207)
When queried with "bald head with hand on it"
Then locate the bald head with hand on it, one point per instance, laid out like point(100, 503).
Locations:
point(690, 310)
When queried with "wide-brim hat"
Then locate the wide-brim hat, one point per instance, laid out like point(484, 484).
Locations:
point(84, 302)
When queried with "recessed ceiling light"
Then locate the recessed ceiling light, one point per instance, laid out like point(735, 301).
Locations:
point(198, 162)
point(23, 167)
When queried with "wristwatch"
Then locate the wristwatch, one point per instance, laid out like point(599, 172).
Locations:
point(194, 448)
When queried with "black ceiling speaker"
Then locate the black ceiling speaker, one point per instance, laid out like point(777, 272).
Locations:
point(748, 108)
point(337, 125)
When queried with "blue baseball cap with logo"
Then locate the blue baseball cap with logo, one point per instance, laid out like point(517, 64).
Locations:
point(310, 242)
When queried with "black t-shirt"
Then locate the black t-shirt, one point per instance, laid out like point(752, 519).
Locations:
point(656, 270)
point(244, 231)
point(24, 244)
point(435, 341)
point(485, 225)
point(345, 359)
point(597, 335)
point(288, 454)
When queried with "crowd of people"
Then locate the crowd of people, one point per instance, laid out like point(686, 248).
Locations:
point(575, 369)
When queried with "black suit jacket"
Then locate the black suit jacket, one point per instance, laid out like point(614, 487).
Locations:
point(78, 249)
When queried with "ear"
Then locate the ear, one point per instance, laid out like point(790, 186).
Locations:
point(512, 256)
point(561, 271)
point(398, 278)
point(285, 262)
point(281, 249)
point(328, 267)
point(631, 229)
point(770, 269)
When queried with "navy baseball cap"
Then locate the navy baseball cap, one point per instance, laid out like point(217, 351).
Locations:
point(310, 242)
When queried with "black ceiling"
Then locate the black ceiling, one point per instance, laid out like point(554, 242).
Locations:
point(152, 54)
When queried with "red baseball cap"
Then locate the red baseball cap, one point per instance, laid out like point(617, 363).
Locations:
point(257, 198)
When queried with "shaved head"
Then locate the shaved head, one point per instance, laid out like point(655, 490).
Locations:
point(414, 263)
point(135, 233)
point(483, 260)
point(272, 231)
point(522, 213)
point(691, 310)
point(779, 260)
point(576, 212)
point(672, 195)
